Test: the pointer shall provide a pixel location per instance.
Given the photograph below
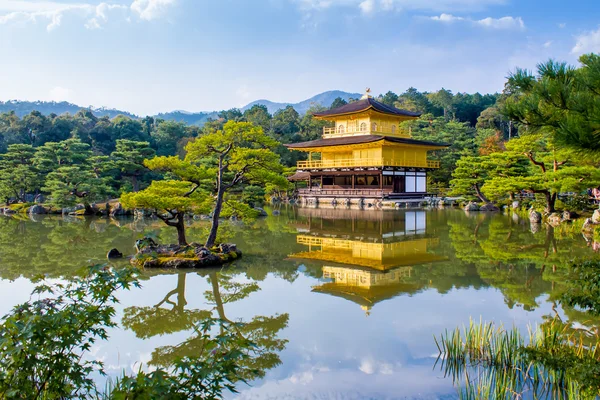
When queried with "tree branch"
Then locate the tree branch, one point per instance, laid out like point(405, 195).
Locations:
point(192, 190)
point(540, 164)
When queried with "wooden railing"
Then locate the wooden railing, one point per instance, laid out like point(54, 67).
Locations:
point(370, 130)
point(316, 191)
point(378, 130)
point(349, 244)
point(366, 162)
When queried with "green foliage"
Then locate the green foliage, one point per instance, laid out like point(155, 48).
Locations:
point(164, 196)
point(468, 177)
point(584, 286)
point(258, 115)
point(18, 174)
point(54, 155)
point(240, 153)
point(459, 135)
point(44, 345)
point(491, 362)
point(129, 158)
point(171, 199)
point(239, 210)
point(337, 102)
point(561, 101)
point(70, 185)
point(42, 342)
point(166, 137)
point(253, 195)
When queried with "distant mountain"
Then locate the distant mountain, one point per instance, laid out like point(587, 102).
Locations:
point(189, 118)
point(22, 108)
point(324, 99)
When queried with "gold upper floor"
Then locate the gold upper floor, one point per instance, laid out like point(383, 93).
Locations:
point(366, 123)
point(373, 155)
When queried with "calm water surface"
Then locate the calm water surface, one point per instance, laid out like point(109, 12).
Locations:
point(344, 303)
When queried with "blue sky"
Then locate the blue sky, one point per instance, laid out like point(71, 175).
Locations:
point(147, 56)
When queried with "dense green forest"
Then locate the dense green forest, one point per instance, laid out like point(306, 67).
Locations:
point(48, 154)
point(538, 136)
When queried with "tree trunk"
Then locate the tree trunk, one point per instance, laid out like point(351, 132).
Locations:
point(212, 237)
point(181, 303)
point(550, 202)
point(88, 209)
point(180, 225)
point(479, 194)
point(214, 280)
point(135, 183)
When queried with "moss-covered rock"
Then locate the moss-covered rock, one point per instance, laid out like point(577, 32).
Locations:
point(152, 255)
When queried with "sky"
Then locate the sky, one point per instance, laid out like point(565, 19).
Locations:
point(150, 56)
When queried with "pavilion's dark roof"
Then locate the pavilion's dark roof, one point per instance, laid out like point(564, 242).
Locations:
point(360, 139)
point(299, 176)
point(365, 104)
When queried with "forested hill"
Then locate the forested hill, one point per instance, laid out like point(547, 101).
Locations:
point(324, 99)
point(22, 108)
point(189, 118)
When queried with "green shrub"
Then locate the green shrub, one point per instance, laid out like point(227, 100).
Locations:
point(44, 344)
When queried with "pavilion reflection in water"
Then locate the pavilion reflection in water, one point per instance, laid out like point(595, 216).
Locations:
point(369, 255)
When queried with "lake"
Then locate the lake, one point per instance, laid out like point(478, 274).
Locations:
point(345, 304)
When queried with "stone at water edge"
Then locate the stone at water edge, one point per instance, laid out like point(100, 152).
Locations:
point(588, 225)
point(117, 210)
point(569, 215)
point(554, 219)
point(471, 206)
point(596, 217)
point(114, 253)
point(489, 207)
point(141, 244)
point(69, 210)
point(515, 205)
point(535, 227)
point(37, 209)
point(535, 217)
point(261, 212)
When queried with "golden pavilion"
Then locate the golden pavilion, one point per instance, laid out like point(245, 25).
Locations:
point(366, 257)
point(365, 155)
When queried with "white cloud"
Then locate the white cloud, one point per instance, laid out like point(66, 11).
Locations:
point(367, 6)
point(151, 9)
point(548, 44)
point(588, 42)
point(502, 23)
point(507, 23)
point(562, 25)
point(446, 18)
point(12, 11)
point(93, 23)
point(370, 6)
point(56, 19)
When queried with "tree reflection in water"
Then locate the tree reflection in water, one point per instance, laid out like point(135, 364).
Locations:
point(172, 315)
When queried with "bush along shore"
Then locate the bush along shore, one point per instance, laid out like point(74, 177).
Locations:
point(110, 208)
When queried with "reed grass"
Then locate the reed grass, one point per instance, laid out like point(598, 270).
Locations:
point(487, 361)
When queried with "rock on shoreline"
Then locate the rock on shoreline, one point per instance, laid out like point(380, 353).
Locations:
point(153, 255)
